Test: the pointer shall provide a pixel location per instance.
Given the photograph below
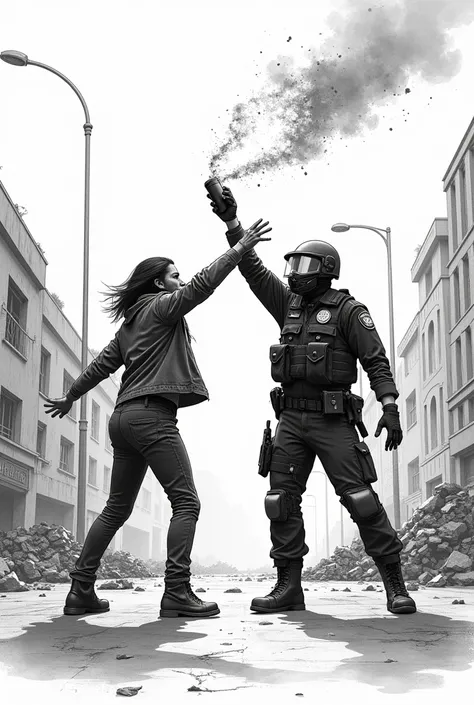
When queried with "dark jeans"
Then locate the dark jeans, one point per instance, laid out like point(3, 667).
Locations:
point(145, 435)
point(300, 437)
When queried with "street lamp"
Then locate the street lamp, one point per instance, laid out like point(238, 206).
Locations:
point(385, 234)
point(321, 472)
point(315, 523)
point(17, 58)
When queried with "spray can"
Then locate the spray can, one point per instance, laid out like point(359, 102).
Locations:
point(214, 188)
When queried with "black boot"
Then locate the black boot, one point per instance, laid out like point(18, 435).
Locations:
point(286, 595)
point(82, 598)
point(180, 601)
point(398, 599)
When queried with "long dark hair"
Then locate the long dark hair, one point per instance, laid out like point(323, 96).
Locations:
point(140, 281)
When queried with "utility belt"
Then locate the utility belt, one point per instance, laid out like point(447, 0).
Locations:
point(329, 402)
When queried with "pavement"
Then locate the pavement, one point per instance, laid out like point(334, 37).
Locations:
point(345, 647)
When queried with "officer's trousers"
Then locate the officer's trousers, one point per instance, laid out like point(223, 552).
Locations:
point(300, 437)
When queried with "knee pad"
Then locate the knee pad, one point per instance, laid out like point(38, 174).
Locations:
point(277, 504)
point(361, 502)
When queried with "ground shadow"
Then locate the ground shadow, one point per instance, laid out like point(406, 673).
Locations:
point(413, 643)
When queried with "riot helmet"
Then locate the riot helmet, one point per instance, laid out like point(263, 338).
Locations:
point(310, 265)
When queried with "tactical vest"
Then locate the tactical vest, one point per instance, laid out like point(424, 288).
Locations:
point(312, 347)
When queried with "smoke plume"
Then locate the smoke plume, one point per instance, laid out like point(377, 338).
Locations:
point(370, 56)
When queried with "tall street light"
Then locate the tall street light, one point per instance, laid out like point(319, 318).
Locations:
point(17, 58)
point(385, 234)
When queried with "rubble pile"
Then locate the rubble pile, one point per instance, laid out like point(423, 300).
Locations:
point(47, 553)
point(438, 545)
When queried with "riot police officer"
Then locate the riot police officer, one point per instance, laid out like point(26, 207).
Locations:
point(324, 331)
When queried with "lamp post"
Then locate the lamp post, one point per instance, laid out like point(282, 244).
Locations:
point(321, 472)
point(385, 234)
point(17, 58)
point(315, 524)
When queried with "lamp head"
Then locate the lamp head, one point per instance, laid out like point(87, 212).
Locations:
point(340, 228)
point(15, 58)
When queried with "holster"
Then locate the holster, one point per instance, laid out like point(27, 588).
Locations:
point(265, 456)
point(354, 406)
point(276, 399)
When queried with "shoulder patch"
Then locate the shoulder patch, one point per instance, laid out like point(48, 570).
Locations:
point(366, 320)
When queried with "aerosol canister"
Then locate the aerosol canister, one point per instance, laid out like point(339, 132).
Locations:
point(214, 188)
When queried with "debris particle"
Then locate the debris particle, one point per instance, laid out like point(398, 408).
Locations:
point(129, 690)
point(347, 589)
point(120, 657)
point(264, 624)
point(234, 589)
point(390, 660)
point(368, 588)
point(458, 602)
point(331, 634)
point(42, 594)
point(225, 643)
point(407, 90)
point(289, 39)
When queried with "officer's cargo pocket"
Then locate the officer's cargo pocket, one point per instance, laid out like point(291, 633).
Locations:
point(319, 363)
point(366, 462)
point(280, 360)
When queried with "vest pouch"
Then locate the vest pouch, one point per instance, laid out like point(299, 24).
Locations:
point(319, 363)
point(280, 359)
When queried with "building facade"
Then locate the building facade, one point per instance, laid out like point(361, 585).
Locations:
point(40, 356)
point(458, 183)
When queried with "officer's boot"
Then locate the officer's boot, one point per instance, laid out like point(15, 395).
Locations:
point(398, 599)
point(82, 598)
point(180, 601)
point(286, 595)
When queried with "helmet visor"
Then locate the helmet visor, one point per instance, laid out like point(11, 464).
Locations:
point(302, 264)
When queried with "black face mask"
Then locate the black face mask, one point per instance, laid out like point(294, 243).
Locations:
point(308, 285)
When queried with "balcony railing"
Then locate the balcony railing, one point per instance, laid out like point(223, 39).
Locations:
point(15, 335)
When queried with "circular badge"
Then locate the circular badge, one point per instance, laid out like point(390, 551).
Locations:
point(366, 320)
point(323, 316)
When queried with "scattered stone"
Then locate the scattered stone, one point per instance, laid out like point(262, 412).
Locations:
point(306, 589)
point(225, 643)
point(129, 690)
point(459, 562)
point(368, 588)
point(200, 589)
point(139, 589)
point(264, 624)
point(123, 656)
point(412, 587)
point(233, 590)
point(248, 579)
point(390, 660)
point(458, 602)
point(439, 581)
point(109, 585)
point(347, 589)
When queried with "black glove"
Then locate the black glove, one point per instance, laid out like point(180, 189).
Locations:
point(391, 421)
point(231, 211)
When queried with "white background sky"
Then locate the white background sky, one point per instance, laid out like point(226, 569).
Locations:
point(158, 78)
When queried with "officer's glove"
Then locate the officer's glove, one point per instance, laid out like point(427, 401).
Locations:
point(230, 212)
point(391, 421)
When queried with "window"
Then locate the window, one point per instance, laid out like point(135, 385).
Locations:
point(431, 349)
point(466, 282)
point(469, 358)
point(107, 476)
point(458, 351)
point(433, 423)
point(441, 414)
point(425, 419)
point(146, 502)
point(92, 476)
point(41, 440)
point(423, 355)
point(411, 356)
point(15, 324)
point(67, 384)
point(454, 216)
point(471, 409)
point(451, 422)
point(457, 295)
point(95, 421)
point(10, 416)
point(66, 455)
point(460, 417)
point(438, 329)
point(108, 444)
point(428, 281)
point(432, 484)
point(467, 469)
point(463, 194)
point(413, 476)
point(411, 409)
point(45, 365)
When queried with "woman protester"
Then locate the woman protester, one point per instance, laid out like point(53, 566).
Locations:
point(161, 375)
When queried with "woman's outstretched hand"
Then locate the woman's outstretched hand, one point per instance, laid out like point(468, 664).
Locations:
point(58, 407)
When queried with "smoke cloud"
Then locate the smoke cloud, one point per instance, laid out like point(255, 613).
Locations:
point(371, 55)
